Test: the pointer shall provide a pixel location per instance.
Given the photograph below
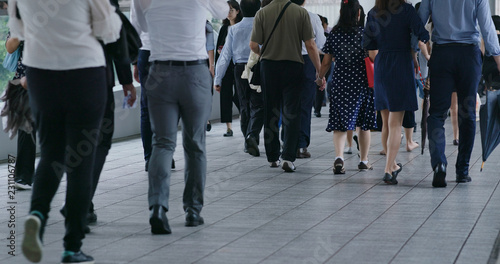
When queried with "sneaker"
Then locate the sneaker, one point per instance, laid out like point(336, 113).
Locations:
point(338, 166)
point(288, 166)
point(22, 185)
point(302, 153)
point(348, 150)
point(362, 166)
point(229, 133)
point(275, 164)
point(32, 244)
point(69, 257)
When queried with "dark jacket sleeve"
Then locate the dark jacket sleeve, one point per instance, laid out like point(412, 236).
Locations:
point(117, 56)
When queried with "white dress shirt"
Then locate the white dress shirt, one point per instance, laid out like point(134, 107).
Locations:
point(64, 36)
point(320, 38)
point(146, 43)
point(177, 27)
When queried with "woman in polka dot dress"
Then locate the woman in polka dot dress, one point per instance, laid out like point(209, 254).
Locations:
point(351, 100)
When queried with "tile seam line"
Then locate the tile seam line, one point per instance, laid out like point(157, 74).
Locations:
point(280, 214)
point(477, 220)
point(430, 215)
point(412, 188)
point(166, 245)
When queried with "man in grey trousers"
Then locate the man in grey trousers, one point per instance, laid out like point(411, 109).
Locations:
point(178, 87)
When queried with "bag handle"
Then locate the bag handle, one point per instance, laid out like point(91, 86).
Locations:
point(275, 25)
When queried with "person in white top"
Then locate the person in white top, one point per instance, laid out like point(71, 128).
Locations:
point(308, 85)
point(141, 70)
point(178, 86)
point(67, 89)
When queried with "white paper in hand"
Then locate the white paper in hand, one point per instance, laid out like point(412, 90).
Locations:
point(125, 102)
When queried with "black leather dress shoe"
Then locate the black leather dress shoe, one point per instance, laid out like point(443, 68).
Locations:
point(252, 146)
point(158, 220)
point(193, 218)
point(463, 178)
point(439, 180)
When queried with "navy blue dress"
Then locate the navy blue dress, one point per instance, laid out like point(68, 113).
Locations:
point(351, 100)
point(390, 34)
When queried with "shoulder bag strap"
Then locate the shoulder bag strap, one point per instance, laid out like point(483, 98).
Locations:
point(275, 25)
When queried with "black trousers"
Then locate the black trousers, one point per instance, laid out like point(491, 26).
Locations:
point(251, 105)
point(26, 155)
point(104, 143)
point(227, 98)
point(68, 107)
point(281, 87)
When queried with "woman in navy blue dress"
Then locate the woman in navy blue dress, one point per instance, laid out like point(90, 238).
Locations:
point(351, 101)
point(388, 34)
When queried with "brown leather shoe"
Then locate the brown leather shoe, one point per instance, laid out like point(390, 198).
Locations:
point(302, 153)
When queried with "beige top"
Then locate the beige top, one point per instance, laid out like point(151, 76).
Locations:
point(286, 41)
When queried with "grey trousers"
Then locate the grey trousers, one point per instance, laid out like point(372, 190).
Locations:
point(178, 92)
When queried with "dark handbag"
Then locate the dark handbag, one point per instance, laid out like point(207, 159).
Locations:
point(129, 43)
point(256, 68)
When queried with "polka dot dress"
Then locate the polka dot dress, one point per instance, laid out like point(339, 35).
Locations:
point(351, 100)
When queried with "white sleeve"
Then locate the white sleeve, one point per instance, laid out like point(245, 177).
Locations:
point(106, 24)
point(137, 17)
point(318, 31)
point(16, 25)
point(218, 8)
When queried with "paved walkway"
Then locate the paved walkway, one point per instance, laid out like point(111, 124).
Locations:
point(257, 214)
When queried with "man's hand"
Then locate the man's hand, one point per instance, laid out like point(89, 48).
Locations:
point(136, 74)
point(321, 83)
point(212, 70)
point(130, 89)
point(217, 88)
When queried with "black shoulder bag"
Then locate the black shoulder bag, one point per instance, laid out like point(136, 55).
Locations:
point(256, 68)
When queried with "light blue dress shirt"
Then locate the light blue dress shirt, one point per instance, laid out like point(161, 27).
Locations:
point(237, 47)
point(455, 21)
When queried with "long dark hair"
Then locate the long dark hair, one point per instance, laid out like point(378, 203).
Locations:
point(349, 10)
point(362, 17)
point(386, 4)
point(239, 16)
